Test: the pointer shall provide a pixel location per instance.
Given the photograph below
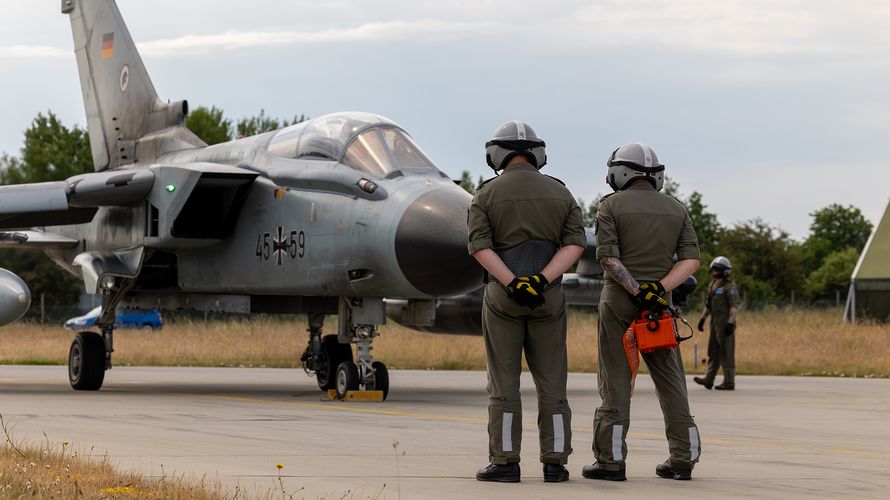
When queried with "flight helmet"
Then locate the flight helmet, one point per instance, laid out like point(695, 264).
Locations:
point(722, 265)
point(511, 139)
point(631, 162)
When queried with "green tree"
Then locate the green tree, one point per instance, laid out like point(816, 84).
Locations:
point(588, 211)
point(51, 152)
point(705, 223)
point(671, 187)
point(466, 182)
point(767, 263)
point(209, 124)
point(261, 123)
point(833, 275)
point(834, 228)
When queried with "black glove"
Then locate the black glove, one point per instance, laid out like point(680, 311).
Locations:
point(524, 293)
point(539, 282)
point(650, 297)
point(653, 286)
point(701, 325)
point(729, 330)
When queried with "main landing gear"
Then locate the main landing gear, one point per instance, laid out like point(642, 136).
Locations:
point(329, 357)
point(90, 352)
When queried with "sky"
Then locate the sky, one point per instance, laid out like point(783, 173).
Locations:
point(770, 109)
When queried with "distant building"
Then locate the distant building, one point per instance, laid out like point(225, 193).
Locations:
point(869, 295)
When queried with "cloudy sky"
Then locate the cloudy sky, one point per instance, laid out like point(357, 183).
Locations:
point(771, 109)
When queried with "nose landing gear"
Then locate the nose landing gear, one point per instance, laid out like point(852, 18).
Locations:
point(330, 359)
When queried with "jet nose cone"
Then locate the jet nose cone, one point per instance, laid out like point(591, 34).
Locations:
point(431, 245)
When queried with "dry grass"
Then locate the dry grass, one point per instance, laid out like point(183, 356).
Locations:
point(57, 471)
point(777, 342)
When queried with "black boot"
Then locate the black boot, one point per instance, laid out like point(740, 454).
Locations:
point(725, 387)
point(502, 473)
point(703, 381)
point(594, 471)
point(555, 473)
point(666, 471)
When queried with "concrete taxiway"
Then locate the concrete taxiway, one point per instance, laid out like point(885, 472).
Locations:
point(775, 437)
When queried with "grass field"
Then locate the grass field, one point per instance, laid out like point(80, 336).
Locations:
point(49, 470)
point(771, 342)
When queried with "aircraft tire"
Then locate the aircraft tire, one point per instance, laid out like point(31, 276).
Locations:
point(332, 354)
point(86, 361)
point(381, 378)
point(347, 378)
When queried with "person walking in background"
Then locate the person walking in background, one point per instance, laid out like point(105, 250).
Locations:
point(722, 306)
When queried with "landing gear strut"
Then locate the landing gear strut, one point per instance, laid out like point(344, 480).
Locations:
point(358, 320)
point(90, 353)
point(329, 357)
point(324, 354)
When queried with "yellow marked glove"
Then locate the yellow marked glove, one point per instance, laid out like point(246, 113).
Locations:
point(524, 293)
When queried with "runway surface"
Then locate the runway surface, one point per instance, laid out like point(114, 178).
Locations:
point(775, 437)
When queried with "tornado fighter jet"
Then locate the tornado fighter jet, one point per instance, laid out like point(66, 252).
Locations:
point(343, 214)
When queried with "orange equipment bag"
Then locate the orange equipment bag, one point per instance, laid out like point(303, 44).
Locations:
point(654, 332)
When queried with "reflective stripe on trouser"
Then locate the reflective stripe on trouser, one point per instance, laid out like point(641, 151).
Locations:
point(721, 352)
point(507, 329)
point(612, 419)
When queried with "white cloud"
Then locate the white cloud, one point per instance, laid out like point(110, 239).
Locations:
point(424, 29)
point(33, 52)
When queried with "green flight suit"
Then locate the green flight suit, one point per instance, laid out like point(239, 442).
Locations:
point(722, 296)
point(644, 229)
point(510, 210)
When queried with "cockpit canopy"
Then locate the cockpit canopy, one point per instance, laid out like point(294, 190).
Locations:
point(364, 141)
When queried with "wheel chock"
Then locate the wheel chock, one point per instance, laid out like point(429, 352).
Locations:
point(355, 396)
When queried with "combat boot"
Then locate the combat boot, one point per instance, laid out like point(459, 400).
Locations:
point(666, 471)
point(703, 381)
point(555, 473)
point(725, 386)
point(501, 473)
point(594, 471)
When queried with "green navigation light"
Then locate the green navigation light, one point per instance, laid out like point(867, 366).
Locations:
point(170, 188)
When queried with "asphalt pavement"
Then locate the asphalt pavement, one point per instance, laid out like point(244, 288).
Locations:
point(774, 437)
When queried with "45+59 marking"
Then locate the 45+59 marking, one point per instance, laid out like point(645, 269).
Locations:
point(278, 245)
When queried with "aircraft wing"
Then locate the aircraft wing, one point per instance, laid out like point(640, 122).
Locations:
point(35, 239)
point(72, 201)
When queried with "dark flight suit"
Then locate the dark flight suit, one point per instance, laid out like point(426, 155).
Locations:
point(509, 211)
point(722, 296)
point(643, 229)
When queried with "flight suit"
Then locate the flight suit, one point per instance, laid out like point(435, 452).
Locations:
point(523, 207)
point(644, 229)
point(722, 296)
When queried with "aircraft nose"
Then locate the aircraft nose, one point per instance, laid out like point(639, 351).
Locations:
point(431, 245)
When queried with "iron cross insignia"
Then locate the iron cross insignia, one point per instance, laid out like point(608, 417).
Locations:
point(279, 246)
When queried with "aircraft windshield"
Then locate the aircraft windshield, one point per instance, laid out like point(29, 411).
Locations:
point(363, 141)
point(382, 150)
point(323, 138)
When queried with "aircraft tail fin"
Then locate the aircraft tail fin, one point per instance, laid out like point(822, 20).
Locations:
point(121, 104)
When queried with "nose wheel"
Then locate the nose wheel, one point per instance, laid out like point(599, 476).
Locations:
point(349, 378)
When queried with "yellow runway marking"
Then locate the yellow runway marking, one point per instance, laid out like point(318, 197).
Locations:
point(484, 421)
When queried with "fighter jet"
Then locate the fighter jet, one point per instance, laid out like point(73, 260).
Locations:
point(342, 214)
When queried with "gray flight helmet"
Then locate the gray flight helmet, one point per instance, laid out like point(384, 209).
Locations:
point(512, 139)
point(631, 162)
point(722, 265)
